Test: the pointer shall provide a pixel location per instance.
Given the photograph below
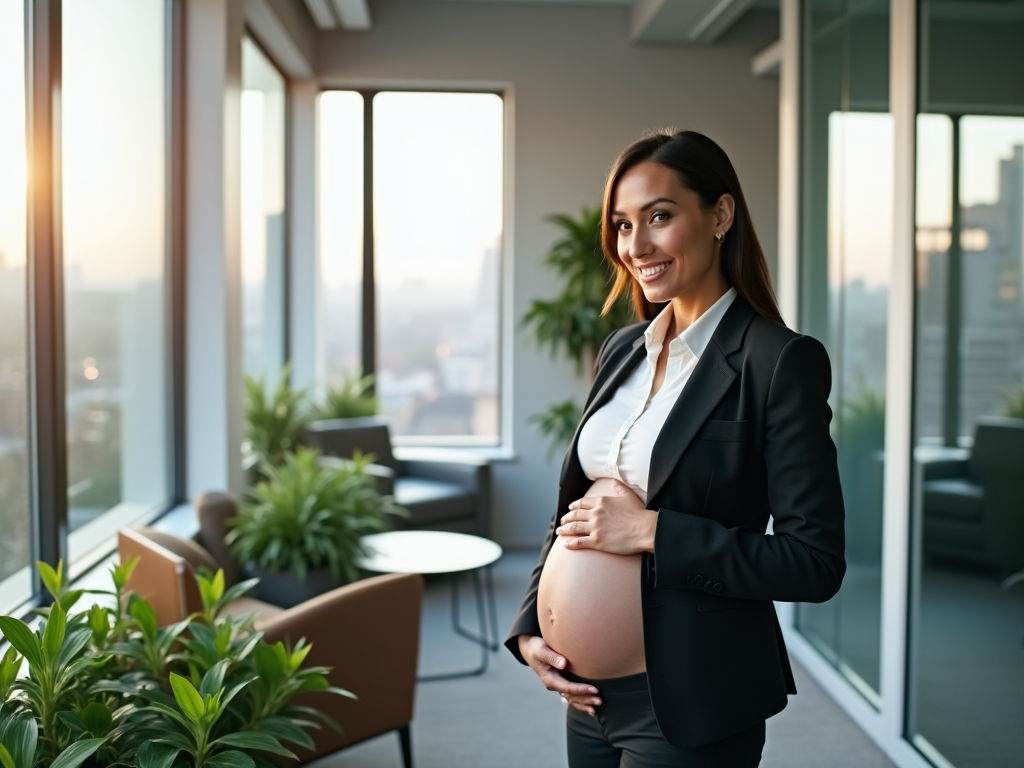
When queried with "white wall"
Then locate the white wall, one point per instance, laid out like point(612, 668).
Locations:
point(579, 93)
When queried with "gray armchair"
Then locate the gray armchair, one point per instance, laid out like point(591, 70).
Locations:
point(974, 507)
point(443, 490)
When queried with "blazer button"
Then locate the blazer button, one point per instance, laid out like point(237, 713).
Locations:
point(707, 584)
point(717, 587)
point(698, 581)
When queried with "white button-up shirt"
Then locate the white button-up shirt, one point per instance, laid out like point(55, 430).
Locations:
point(618, 438)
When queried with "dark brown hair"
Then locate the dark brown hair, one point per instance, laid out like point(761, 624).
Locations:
point(705, 169)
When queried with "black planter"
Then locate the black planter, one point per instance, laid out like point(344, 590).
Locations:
point(283, 589)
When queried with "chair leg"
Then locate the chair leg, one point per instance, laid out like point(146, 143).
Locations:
point(406, 739)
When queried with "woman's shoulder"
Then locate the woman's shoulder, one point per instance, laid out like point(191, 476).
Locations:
point(773, 343)
point(621, 340)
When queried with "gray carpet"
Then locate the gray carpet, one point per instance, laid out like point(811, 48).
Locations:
point(505, 719)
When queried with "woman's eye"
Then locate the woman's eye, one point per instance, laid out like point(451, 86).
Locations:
point(660, 216)
point(622, 226)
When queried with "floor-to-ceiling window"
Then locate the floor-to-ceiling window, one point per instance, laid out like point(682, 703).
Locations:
point(966, 665)
point(437, 214)
point(846, 250)
point(263, 213)
point(15, 542)
point(113, 163)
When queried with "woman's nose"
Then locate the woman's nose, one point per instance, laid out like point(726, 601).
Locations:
point(640, 243)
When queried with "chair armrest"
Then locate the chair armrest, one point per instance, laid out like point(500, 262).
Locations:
point(446, 465)
point(368, 633)
point(385, 476)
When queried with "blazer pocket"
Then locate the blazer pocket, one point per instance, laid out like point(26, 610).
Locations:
point(724, 431)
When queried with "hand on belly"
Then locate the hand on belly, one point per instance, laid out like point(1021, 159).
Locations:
point(588, 604)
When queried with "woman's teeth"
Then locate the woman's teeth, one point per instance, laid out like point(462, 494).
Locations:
point(651, 271)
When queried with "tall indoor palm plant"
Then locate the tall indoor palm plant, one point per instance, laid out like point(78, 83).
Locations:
point(572, 323)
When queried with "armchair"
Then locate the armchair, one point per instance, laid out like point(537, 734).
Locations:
point(367, 632)
point(443, 490)
point(974, 506)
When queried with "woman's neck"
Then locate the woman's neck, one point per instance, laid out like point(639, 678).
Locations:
point(689, 306)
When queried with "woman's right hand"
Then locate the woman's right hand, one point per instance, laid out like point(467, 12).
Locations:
point(546, 662)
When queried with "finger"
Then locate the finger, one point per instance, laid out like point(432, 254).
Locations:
point(585, 503)
point(577, 528)
point(582, 708)
point(579, 542)
point(582, 701)
point(555, 682)
point(619, 488)
point(552, 658)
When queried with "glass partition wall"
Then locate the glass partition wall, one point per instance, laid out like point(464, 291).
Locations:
point(846, 235)
point(263, 213)
point(966, 683)
point(114, 184)
point(15, 543)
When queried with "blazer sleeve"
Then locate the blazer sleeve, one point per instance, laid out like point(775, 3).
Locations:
point(804, 560)
point(526, 621)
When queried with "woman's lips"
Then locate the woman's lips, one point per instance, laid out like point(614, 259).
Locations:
point(652, 272)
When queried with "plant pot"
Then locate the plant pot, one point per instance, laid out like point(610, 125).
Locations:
point(283, 589)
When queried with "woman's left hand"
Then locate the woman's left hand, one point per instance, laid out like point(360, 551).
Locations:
point(616, 524)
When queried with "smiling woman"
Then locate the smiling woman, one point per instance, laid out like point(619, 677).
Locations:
point(651, 606)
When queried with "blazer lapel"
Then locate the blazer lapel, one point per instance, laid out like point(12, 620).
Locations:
point(710, 380)
point(604, 394)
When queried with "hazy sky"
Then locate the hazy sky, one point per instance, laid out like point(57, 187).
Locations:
point(113, 140)
point(438, 162)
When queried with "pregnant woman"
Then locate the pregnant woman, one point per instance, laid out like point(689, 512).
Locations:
point(650, 610)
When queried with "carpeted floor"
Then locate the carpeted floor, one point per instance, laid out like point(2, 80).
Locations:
point(505, 719)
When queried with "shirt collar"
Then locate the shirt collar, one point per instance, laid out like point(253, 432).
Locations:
point(698, 335)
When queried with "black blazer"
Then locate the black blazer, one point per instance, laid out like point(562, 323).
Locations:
point(747, 438)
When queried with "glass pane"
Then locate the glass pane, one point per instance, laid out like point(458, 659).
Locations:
point(340, 223)
point(114, 182)
point(15, 543)
point(967, 681)
point(438, 161)
point(845, 271)
point(263, 200)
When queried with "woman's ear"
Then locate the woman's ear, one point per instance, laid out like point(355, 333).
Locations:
point(725, 209)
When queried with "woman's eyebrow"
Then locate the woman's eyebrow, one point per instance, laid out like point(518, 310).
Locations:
point(651, 204)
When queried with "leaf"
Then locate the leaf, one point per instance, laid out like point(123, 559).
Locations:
point(22, 639)
point(188, 698)
point(5, 758)
point(77, 753)
point(155, 755)
point(51, 579)
point(21, 735)
point(230, 759)
point(213, 680)
point(97, 719)
point(121, 572)
point(73, 643)
point(285, 730)
point(144, 616)
point(252, 740)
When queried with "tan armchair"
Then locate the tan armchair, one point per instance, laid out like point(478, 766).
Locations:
point(367, 632)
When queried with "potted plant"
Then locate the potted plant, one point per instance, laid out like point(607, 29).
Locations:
point(351, 398)
point(572, 321)
point(300, 533)
point(274, 422)
point(107, 687)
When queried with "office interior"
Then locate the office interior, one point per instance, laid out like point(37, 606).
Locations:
point(196, 191)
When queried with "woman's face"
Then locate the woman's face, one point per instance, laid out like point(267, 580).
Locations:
point(665, 239)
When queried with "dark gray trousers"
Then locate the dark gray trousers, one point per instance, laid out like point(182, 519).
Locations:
point(625, 734)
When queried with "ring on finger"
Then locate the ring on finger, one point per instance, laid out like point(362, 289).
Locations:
point(565, 700)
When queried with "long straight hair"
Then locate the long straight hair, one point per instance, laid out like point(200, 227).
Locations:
point(704, 168)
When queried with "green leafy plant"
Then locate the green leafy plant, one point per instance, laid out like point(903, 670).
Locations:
point(572, 321)
point(1013, 404)
point(108, 687)
point(274, 421)
point(352, 397)
point(306, 516)
point(864, 419)
point(558, 423)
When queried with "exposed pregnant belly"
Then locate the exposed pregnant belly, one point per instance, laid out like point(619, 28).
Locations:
point(588, 604)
